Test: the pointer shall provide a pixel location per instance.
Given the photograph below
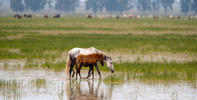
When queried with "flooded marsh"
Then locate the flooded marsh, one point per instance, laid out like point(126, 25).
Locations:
point(40, 84)
point(153, 59)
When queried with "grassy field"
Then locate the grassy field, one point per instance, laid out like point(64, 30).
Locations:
point(47, 41)
point(153, 71)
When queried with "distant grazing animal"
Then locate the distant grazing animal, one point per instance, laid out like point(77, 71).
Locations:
point(88, 60)
point(137, 16)
point(131, 17)
point(46, 16)
point(117, 17)
point(18, 16)
point(75, 52)
point(155, 17)
point(89, 16)
point(27, 16)
point(171, 17)
point(189, 17)
point(178, 17)
point(56, 16)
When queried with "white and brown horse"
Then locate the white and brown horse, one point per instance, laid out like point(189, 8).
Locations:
point(75, 52)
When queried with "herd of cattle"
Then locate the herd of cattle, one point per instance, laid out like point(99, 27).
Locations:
point(90, 16)
point(30, 16)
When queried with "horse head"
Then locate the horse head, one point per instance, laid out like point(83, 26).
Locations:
point(109, 63)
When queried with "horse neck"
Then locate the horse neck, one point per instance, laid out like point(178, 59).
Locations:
point(99, 57)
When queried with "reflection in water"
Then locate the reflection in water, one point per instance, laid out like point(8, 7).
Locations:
point(10, 89)
point(49, 85)
point(74, 90)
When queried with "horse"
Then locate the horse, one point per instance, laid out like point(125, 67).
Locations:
point(89, 60)
point(73, 53)
point(56, 16)
point(46, 16)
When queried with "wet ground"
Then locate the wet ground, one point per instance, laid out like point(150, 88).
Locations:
point(41, 84)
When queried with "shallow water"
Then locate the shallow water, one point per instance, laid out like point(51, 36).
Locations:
point(40, 84)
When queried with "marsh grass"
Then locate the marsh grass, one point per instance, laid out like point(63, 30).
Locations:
point(114, 78)
point(4, 83)
point(10, 89)
point(155, 71)
point(59, 66)
point(163, 29)
point(40, 83)
point(34, 45)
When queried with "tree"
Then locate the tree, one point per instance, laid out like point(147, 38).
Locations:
point(66, 5)
point(167, 5)
point(95, 5)
point(16, 5)
point(155, 5)
point(50, 4)
point(35, 5)
point(118, 5)
point(194, 6)
point(185, 6)
point(144, 5)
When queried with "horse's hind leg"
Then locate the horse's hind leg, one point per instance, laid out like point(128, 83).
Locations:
point(71, 69)
point(97, 68)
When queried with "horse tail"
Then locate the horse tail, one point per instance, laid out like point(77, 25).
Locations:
point(67, 67)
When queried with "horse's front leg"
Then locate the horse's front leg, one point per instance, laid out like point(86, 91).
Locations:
point(89, 72)
point(80, 71)
point(97, 68)
point(77, 67)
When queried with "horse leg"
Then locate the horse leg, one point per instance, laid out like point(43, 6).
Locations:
point(89, 72)
point(80, 71)
point(97, 68)
point(71, 69)
point(76, 70)
point(92, 71)
point(73, 73)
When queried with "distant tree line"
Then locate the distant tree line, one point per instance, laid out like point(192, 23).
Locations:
point(110, 6)
point(37, 5)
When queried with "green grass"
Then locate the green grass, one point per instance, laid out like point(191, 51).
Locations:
point(34, 45)
point(158, 29)
point(56, 66)
point(39, 83)
point(114, 78)
point(111, 35)
point(154, 71)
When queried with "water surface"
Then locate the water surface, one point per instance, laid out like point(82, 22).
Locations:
point(41, 84)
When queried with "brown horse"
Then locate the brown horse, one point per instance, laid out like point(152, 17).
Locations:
point(91, 61)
